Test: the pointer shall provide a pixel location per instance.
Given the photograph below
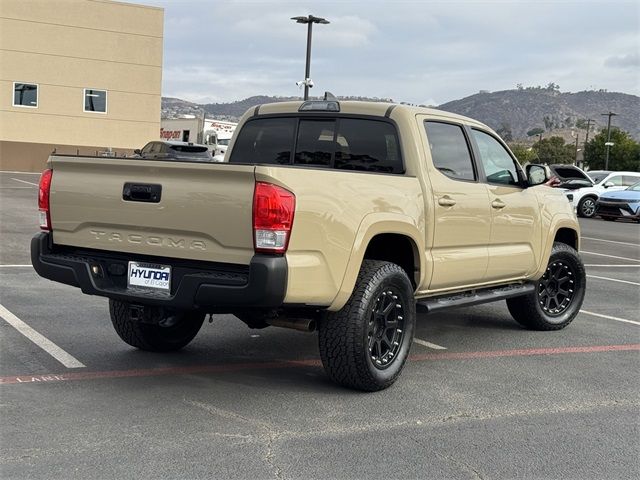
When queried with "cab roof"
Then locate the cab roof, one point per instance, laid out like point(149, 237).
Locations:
point(380, 109)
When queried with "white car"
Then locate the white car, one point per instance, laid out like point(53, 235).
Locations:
point(585, 198)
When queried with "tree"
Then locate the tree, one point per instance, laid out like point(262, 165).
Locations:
point(554, 150)
point(523, 153)
point(582, 124)
point(623, 155)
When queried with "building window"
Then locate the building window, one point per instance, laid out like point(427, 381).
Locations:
point(25, 95)
point(95, 100)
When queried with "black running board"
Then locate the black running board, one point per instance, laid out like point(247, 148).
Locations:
point(476, 297)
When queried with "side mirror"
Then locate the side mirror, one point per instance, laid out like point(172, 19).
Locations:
point(137, 151)
point(609, 184)
point(537, 174)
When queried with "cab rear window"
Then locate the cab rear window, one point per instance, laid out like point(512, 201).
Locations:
point(358, 144)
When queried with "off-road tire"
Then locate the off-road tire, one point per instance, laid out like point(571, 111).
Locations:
point(154, 337)
point(345, 337)
point(538, 310)
point(587, 207)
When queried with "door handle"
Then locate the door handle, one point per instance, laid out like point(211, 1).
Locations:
point(498, 204)
point(446, 201)
point(141, 192)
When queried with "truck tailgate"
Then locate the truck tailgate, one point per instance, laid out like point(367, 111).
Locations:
point(204, 211)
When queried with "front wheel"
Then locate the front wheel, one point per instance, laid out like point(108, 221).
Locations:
point(154, 329)
point(558, 295)
point(366, 344)
point(587, 207)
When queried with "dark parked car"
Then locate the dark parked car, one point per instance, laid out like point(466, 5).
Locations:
point(620, 204)
point(163, 150)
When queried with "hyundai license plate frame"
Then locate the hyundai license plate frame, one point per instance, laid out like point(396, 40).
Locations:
point(149, 275)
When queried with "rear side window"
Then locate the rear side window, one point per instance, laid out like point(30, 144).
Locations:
point(627, 180)
point(616, 180)
point(367, 145)
point(450, 150)
point(265, 140)
point(340, 143)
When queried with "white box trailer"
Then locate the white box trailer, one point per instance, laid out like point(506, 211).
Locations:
point(224, 131)
point(206, 131)
point(182, 129)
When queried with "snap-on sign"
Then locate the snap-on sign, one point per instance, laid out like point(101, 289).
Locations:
point(170, 134)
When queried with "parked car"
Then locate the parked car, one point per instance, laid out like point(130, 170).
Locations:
point(585, 198)
point(171, 150)
point(620, 204)
point(571, 177)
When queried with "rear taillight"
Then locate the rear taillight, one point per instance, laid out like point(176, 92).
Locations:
point(43, 199)
point(273, 209)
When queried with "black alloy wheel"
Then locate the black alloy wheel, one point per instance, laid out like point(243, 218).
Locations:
point(386, 329)
point(558, 295)
point(556, 288)
point(365, 344)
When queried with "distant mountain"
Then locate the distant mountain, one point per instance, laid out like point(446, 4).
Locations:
point(174, 107)
point(523, 110)
point(513, 112)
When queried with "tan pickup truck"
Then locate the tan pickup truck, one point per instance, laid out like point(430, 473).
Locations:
point(332, 215)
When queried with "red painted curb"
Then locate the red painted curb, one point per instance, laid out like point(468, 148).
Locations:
point(227, 368)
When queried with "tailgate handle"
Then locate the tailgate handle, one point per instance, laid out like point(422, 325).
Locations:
point(142, 192)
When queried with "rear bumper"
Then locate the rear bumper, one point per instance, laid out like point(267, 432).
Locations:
point(217, 286)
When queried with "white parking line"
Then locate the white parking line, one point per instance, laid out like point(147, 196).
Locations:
point(40, 340)
point(16, 266)
point(613, 280)
point(609, 317)
point(429, 344)
point(24, 181)
point(21, 173)
point(610, 241)
point(610, 256)
point(611, 266)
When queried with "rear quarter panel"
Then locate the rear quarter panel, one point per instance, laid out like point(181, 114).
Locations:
point(337, 212)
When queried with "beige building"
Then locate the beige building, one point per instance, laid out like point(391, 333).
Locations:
point(77, 75)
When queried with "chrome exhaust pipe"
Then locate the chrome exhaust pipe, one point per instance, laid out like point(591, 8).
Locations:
point(300, 324)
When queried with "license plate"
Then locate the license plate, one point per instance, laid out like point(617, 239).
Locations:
point(150, 276)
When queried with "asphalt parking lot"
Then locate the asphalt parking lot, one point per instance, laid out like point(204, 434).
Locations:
point(480, 398)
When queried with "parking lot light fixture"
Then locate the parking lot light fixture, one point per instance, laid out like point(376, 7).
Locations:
point(309, 20)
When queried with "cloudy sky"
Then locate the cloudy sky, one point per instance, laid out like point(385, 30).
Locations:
point(409, 50)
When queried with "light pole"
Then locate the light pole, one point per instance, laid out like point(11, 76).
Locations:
point(309, 20)
point(608, 143)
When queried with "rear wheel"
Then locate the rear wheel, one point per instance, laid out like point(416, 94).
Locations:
point(587, 207)
point(153, 328)
point(366, 344)
point(558, 295)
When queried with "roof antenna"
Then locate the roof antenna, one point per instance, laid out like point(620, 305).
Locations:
point(330, 96)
